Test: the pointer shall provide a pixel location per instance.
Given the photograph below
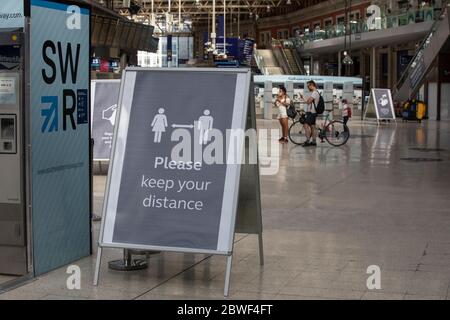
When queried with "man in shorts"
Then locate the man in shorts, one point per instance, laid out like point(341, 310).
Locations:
point(311, 115)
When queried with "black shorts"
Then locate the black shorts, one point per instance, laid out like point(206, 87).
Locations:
point(310, 118)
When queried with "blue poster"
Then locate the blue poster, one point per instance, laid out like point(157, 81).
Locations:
point(220, 26)
point(232, 47)
point(60, 133)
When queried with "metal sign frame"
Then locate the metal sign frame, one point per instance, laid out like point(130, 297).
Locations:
point(373, 104)
point(232, 175)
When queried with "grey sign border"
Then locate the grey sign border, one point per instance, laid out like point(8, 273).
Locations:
point(376, 104)
point(226, 237)
point(93, 88)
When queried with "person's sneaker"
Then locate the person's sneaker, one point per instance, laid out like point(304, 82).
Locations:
point(313, 144)
point(306, 144)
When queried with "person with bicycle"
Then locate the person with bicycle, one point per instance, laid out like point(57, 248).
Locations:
point(311, 114)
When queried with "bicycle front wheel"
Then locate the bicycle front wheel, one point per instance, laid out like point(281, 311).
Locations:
point(297, 133)
point(336, 133)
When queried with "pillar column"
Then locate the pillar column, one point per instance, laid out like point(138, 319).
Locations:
point(373, 68)
point(339, 64)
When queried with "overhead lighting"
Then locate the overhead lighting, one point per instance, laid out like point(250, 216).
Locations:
point(268, 8)
point(288, 2)
point(347, 59)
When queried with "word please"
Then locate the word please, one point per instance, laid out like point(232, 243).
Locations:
point(169, 184)
point(177, 165)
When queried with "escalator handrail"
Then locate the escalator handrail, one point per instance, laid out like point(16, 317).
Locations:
point(277, 45)
point(297, 60)
point(423, 45)
point(277, 50)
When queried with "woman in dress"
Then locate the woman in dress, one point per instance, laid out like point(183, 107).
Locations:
point(159, 125)
point(282, 102)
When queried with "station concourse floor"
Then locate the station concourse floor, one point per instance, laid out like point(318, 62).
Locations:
point(329, 213)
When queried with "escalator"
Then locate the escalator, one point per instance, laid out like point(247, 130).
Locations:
point(437, 41)
point(287, 58)
point(293, 60)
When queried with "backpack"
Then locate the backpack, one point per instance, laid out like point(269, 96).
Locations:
point(290, 110)
point(348, 110)
point(320, 108)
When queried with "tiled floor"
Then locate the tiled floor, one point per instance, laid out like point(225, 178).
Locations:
point(328, 214)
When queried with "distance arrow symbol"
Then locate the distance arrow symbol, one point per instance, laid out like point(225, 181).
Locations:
point(182, 126)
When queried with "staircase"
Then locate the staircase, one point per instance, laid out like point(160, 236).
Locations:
point(437, 40)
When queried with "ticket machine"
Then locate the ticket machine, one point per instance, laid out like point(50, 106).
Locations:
point(13, 228)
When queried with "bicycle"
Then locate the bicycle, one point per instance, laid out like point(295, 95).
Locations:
point(335, 132)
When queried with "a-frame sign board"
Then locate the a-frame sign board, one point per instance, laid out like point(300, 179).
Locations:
point(380, 106)
point(176, 180)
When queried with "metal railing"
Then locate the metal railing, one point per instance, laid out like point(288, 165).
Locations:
point(260, 62)
point(361, 26)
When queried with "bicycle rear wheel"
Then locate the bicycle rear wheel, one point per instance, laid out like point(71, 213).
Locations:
point(297, 133)
point(337, 133)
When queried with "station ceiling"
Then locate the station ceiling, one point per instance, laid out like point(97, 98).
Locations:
point(111, 29)
point(198, 10)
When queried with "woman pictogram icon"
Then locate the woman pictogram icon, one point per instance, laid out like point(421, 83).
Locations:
point(159, 125)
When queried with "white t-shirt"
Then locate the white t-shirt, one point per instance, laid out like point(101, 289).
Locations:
point(316, 96)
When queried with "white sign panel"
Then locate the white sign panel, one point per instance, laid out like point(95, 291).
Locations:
point(11, 14)
point(8, 91)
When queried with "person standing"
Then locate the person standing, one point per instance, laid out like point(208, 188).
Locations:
point(311, 114)
point(346, 111)
point(282, 102)
point(205, 125)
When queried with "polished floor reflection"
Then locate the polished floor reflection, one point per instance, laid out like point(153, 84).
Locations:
point(329, 213)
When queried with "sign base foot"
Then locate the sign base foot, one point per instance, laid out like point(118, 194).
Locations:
point(128, 265)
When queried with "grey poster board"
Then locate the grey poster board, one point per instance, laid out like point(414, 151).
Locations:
point(104, 96)
point(148, 204)
point(380, 106)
